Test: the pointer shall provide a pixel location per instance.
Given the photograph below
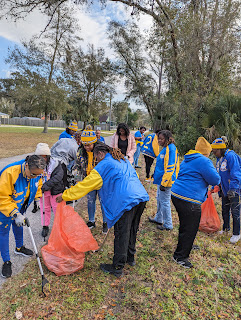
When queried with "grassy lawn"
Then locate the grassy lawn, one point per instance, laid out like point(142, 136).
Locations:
point(20, 140)
point(156, 288)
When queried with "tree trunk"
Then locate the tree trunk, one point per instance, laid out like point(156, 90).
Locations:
point(45, 130)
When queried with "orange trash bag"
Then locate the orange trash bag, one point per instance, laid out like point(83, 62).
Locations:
point(69, 240)
point(210, 221)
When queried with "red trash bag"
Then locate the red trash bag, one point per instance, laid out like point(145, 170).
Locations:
point(210, 221)
point(69, 240)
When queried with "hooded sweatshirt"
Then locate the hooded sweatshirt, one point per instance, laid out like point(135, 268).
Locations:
point(196, 173)
point(229, 168)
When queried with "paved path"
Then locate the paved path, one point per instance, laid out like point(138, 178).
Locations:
point(18, 261)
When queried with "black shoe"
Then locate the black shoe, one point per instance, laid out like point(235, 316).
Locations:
point(90, 224)
point(195, 247)
point(185, 263)
point(24, 251)
point(69, 202)
point(152, 220)
point(35, 208)
point(131, 263)
point(109, 268)
point(137, 167)
point(105, 228)
point(45, 231)
point(163, 228)
point(7, 269)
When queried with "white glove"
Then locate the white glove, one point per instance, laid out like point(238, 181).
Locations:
point(20, 220)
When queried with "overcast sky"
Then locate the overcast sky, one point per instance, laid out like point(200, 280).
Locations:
point(93, 23)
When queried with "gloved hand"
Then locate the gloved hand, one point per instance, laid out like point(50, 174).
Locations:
point(19, 220)
point(162, 188)
point(44, 188)
point(232, 193)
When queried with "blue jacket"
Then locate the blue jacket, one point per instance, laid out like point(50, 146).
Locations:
point(64, 134)
point(119, 188)
point(229, 168)
point(14, 186)
point(167, 166)
point(101, 139)
point(196, 173)
point(150, 146)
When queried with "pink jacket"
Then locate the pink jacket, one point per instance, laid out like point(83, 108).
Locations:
point(131, 149)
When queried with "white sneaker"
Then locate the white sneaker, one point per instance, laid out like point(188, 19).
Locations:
point(221, 232)
point(235, 239)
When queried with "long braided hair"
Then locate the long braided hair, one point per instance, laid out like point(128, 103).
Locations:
point(115, 152)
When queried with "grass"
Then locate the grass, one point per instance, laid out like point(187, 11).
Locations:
point(20, 140)
point(156, 288)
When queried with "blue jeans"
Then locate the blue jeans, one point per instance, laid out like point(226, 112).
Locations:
point(164, 214)
point(91, 196)
point(5, 225)
point(137, 154)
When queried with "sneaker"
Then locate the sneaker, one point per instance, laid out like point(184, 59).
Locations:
point(137, 167)
point(45, 231)
point(148, 179)
point(131, 263)
point(235, 239)
point(152, 220)
point(185, 263)
point(7, 269)
point(105, 228)
point(195, 247)
point(90, 224)
point(223, 231)
point(160, 227)
point(109, 268)
point(24, 251)
point(35, 208)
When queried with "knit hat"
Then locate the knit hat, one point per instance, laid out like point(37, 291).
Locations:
point(88, 136)
point(42, 149)
point(73, 126)
point(203, 146)
point(218, 144)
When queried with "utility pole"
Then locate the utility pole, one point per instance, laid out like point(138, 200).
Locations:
point(110, 112)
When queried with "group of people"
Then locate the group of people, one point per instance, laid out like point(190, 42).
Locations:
point(109, 172)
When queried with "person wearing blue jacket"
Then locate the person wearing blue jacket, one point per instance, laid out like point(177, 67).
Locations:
point(165, 174)
point(69, 131)
point(123, 199)
point(139, 137)
point(229, 168)
point(189, 191)
point(150, 150)
point(98, 136)
point(20, 184)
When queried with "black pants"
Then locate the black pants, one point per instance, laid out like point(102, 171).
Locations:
point(233, 206)
point(125, 230)
point(189, 218)
point(149, 162)
point(65, 180)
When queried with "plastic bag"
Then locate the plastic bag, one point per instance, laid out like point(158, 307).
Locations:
point(210, 221)
point(69, 240)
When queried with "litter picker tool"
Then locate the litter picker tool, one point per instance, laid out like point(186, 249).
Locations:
point(43, 213)
point(102, 244)
point(45, 283)
point(149, 187)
